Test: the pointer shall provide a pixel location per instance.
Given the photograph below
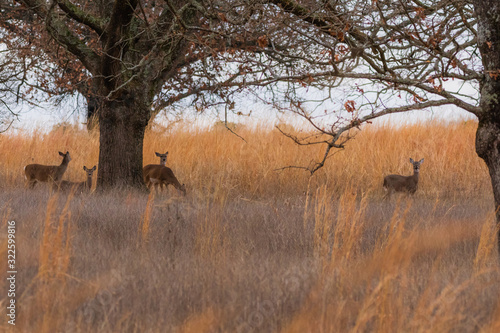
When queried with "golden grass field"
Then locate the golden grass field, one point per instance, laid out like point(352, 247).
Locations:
point(254, 249)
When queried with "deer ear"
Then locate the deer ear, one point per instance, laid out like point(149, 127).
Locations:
point(62, 154)
point(93, 169)
point(157, 154)
point(411, 160)
point(85, 168)
point(421, 161)
point(166, 153)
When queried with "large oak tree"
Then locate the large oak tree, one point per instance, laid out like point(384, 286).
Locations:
point(130, 58)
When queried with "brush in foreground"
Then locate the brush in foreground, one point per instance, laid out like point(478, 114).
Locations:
point(398, 183)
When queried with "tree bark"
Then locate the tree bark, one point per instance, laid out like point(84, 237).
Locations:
point(122, 124)
point(488, 132)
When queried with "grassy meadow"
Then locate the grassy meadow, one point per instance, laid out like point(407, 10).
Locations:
point(253, 248)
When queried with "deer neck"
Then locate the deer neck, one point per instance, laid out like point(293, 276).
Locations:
point(64, 164)
point(89, 182)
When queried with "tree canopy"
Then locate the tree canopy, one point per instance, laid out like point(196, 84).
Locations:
point(367, 59)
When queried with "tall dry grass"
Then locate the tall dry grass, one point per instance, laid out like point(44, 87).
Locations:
point(253, 249)
point(206, 159)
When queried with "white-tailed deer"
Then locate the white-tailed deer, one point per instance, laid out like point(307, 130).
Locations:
point(46, 173)
point(150, 167)
point(164, 176)
point(78, 187)
point(398, 183)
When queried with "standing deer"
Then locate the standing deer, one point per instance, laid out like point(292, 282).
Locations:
point(398, 183)
point(150, 167)
point(46, 173)
point(78, 187)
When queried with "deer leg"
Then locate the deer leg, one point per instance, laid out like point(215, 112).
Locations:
point(388, 193)
point(157, 187)
point(151, 184)
point(163, 186)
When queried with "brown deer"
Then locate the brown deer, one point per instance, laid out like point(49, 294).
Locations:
point(164, 176)
point(146, 171)
point(46, 173)
point(398, 183)
point(77, 187)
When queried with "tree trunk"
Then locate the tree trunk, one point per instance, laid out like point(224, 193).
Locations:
point(122, 124)
point(488, 132)
point(488, 148)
